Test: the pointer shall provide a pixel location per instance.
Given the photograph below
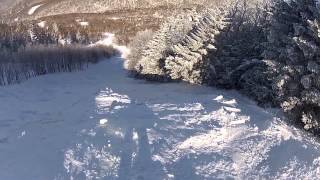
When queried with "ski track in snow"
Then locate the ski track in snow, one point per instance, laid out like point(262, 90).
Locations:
point(102, 124)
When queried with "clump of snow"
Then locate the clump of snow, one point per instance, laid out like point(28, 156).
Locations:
point(103, 121)
point(42, 24)
point(135, 136)
point(33, 9)
point(230, 109)
point(219, 98)
point(84, 23)
point(23, 133)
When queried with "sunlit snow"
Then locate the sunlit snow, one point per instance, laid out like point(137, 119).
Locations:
point(102, 124)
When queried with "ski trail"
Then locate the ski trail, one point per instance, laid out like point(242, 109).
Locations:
point(102, 124)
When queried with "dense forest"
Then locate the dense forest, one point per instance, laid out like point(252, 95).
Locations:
point(267, 50)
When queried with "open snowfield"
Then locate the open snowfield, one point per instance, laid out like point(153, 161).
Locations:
point(102, 124)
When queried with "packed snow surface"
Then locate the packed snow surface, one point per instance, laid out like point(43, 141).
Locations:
point(33, 9)
point(102, 124)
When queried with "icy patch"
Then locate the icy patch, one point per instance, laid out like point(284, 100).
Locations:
point(33, 9)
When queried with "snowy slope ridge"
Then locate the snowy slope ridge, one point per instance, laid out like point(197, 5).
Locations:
point(100, 123)
point(33, 9)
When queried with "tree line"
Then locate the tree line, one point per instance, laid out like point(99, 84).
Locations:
point(20, 35)
point(31, 49)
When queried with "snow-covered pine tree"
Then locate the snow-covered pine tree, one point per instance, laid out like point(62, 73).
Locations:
point(137, 46)
point(188, 60)
point(152, 63)
point(293, 45)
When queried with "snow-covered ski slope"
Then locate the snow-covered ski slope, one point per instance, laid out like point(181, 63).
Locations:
point(102, 124)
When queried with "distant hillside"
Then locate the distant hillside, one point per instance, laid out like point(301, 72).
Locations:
point(31, 9)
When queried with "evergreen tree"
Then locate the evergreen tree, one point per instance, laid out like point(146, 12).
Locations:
point(237, 63)
point(152, 63)
point(293, 45)
point(188, 60)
